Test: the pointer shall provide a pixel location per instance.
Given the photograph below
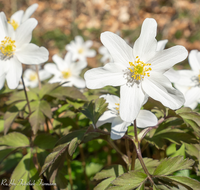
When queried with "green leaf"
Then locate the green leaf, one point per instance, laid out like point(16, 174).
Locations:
point(109, 174)
point(25, 172)
point(70, 92)
point(45, 141)
point(111, 171)
point(47, 88)
point(20, 96)
point(61, 147)
point(45, 108)
point(130, 180)
point(191, 118)
point(37, 118)
point(170, 165)
point(93, 110)
point(104, 184)
point(60, 179)
point(11, 114)
point(149, 163)
point(191, 183)
point(14, 139)
point(51, 158)
point(4, 151)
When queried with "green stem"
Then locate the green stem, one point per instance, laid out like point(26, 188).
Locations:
point(28, 103)
point(134, 156)
point(39, 81)
point(70, 173)
point(139, 154)
point(128, 151)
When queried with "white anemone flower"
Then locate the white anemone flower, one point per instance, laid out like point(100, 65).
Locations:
point(119, 127)
point(106, 56)
point(138, 70)
point(80, 50)
point(20, 16)
point(31, 77)
point(15, 49)
point(189, 82)
point(66, 70)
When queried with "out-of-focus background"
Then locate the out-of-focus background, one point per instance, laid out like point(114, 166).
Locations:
point(61, 20)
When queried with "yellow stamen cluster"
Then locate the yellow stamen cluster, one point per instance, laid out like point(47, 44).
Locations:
point(66, 74)
point(14, 24)
point(33, 77)
point(80, 51)
point(199, 76)
point(139, 69)
point(7, 47)
point(117, 108)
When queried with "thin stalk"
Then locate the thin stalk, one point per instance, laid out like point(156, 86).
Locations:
point(139, 154)
point(134, 156)
point(29, 108)
point(135, 131)
point(69, 173)
point(84, 166)
point(39, 81)
point(128, 151)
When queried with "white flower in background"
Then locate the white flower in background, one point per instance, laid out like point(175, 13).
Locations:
point(106, 57)
point(20, 16)
point(15, 49)
point(189, 82)
point(66, 70)
point(119, 127)
point(138, 70)
point(80, 50)
point(31, 77)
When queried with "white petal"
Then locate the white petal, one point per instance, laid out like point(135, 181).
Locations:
point(118, 128)
point(118, 48)
point(79, 40)
point(33, 55)
point(164, 60)
point(145, 46)
point(131, 100)
point(161, 45)
point(192, 96)
point(182, 88)
point(17, 16)
point(110, 74)
point(55, 79)
point(77, 81)
point(43, 74)
point(90, 53)
point(172, 75)
point(2, 80)
point(52, 68)
point(185, 77)
point(194, 61)
point(24, 32)
point(29, 72)
point(60, 62)
point(29, 12)
point(112, 100)
point(159, 88)
point(145, 119)
point(193, 105)
point(68, 57)
point(14, 73)
point(88, 43)
point(107, 117)
point(3, 26)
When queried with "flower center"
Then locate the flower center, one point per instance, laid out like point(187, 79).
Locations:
point(196, 80)
point(66, 74)
point(137, 71)
point(33, 77)
point(117, 107)
point(14, 24)
point(7, 48)
point(80, 51)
